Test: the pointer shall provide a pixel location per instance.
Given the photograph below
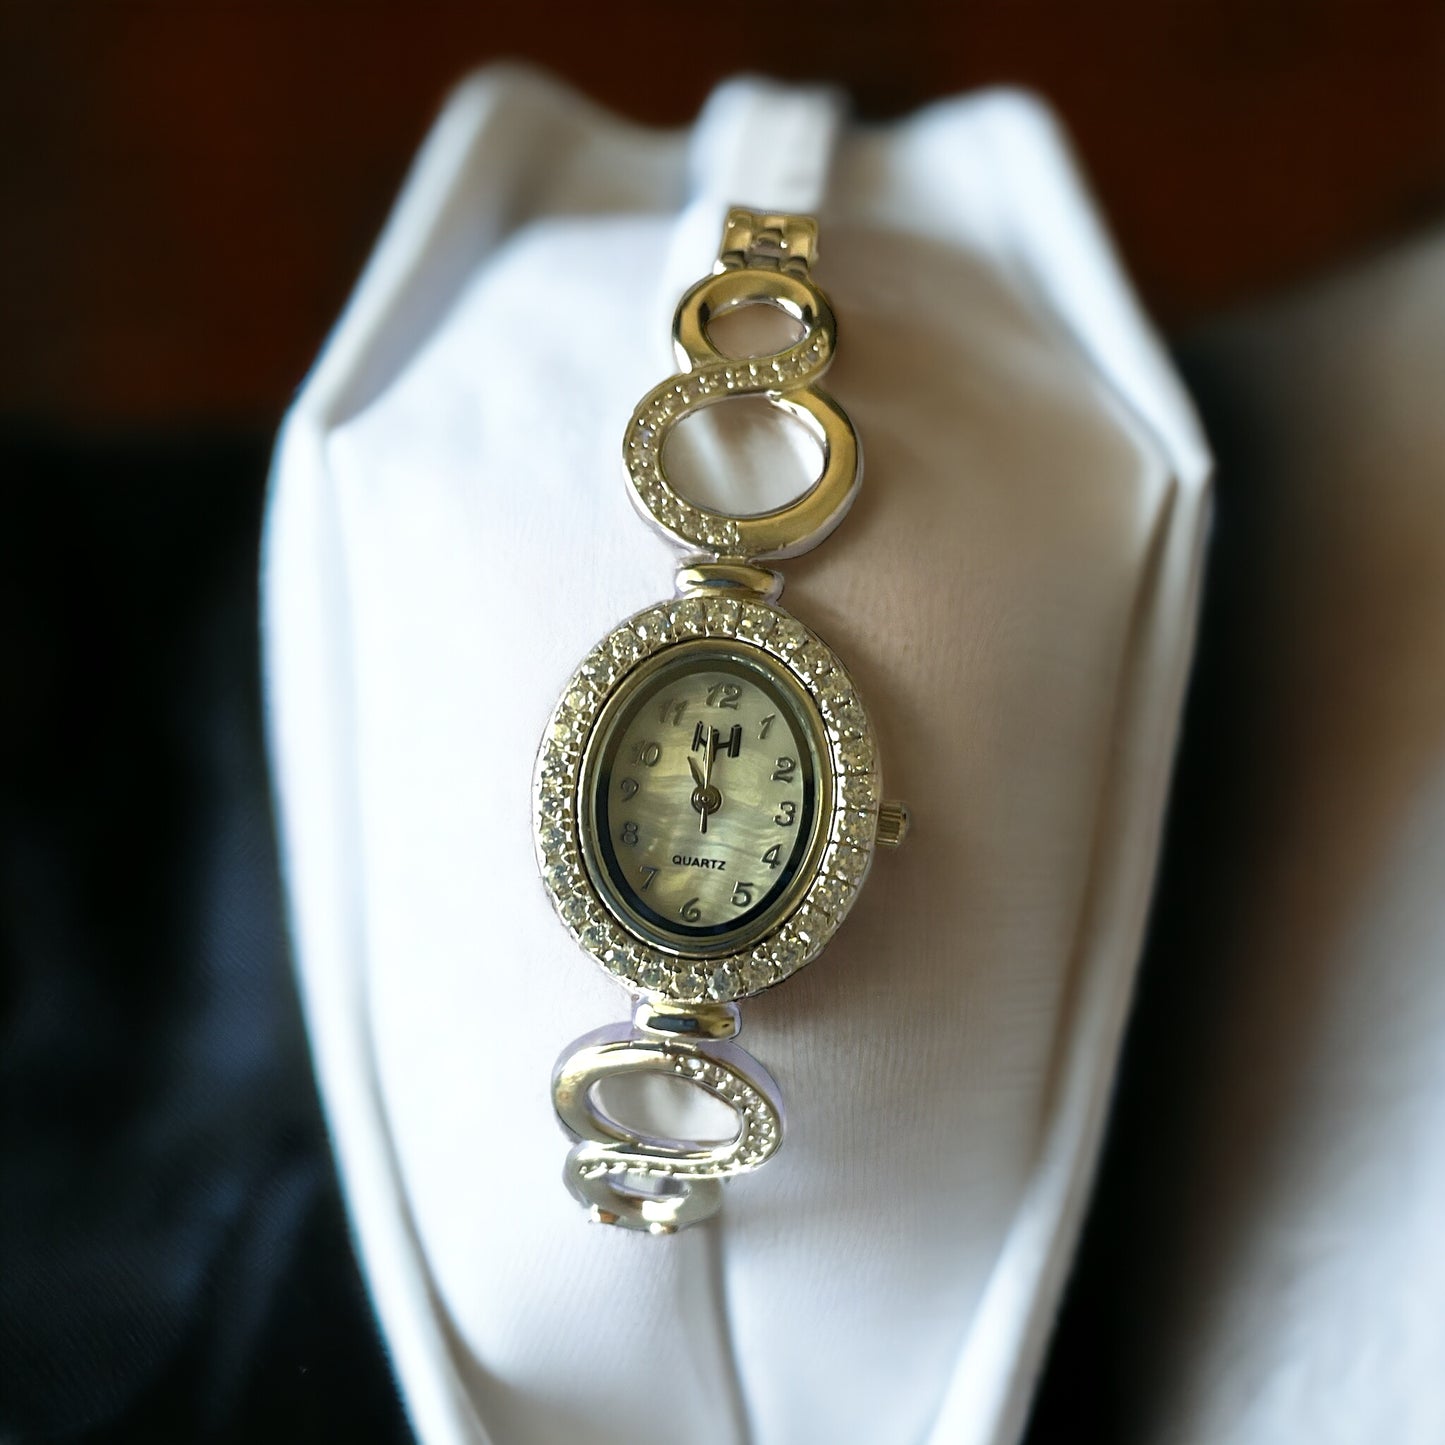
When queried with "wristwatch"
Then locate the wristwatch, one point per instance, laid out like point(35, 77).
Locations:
point(707, 793)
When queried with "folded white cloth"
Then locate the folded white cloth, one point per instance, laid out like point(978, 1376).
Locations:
point(1015, 593)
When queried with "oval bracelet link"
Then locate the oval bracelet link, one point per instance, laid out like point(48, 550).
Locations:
point(642, 1181)
point(786, 379)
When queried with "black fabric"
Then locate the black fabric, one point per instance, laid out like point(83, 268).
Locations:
point(174, 1258)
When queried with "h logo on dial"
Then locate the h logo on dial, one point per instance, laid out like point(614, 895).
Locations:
point(702, 735)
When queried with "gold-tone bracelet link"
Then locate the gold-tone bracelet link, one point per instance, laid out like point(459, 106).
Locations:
point(764, 260)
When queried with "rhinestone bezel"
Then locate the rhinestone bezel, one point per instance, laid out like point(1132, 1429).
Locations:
point(851, 829)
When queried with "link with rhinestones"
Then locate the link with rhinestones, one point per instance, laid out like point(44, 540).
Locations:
point(786, 379)
point(639, 1181)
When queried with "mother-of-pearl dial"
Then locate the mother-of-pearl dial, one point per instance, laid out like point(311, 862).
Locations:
point(705, 797)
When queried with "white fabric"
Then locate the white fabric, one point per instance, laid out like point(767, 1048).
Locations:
point(1298, 1292)
point(1015, 593)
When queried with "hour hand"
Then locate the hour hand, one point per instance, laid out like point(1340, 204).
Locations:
point(697, 776)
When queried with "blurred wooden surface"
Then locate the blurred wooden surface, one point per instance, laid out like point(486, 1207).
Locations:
point(188, 190)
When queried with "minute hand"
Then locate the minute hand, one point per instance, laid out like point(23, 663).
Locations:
point(709, 753)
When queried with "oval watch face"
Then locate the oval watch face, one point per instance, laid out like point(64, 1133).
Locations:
point(704, 803)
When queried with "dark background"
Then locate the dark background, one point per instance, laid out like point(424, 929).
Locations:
point(186, 195)
point(188, 190)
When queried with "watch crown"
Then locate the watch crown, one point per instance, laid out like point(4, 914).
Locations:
point(892, 824)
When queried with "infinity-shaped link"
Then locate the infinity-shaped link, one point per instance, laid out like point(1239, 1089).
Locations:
point(786, 379)
point(639, 1181)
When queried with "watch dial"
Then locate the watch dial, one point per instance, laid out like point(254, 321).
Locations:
point(702, 797)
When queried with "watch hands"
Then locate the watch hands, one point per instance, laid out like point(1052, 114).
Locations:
point(709, 753)
point(705, 798)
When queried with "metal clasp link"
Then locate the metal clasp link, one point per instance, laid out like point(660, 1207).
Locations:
point(767, 242)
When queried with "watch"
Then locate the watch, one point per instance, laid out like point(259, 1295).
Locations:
point(707, 794)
